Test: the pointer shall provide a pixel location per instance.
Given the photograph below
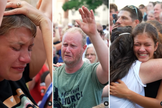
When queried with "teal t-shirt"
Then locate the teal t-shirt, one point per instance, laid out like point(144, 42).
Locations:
point(77, 90)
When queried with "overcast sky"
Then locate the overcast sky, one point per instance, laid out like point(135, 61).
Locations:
point(122, 3)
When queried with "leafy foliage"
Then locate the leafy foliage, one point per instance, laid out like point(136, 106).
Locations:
point(90, 4)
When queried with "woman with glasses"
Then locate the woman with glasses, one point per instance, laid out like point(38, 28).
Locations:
point(90, 54)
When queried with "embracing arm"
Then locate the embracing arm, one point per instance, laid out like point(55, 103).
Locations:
point(159, 94)
point(154, 68)
point(89, 27)
point(121, 90)
point(146, 102)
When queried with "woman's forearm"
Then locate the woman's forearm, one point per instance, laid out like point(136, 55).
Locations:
point(46, 28)
point(143, 101)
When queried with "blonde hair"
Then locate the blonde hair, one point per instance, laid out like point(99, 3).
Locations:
point(91, 45)
point(76, 29)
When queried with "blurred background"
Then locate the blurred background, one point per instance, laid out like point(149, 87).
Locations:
point(66, 11)
point(33, 2)
point(130, 2)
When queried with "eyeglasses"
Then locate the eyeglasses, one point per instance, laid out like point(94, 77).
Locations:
point(101, 32)
point(76, 25)
point(133, 7)
point(91, 54)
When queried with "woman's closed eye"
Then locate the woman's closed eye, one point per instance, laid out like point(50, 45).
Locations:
point(147, 45)
point(136, 44)
point(16, 49)
point(30, 47)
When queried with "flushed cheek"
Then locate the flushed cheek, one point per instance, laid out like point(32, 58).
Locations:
point(135, 50)
point(14, 58)
point(94, 58)
point(9, 60)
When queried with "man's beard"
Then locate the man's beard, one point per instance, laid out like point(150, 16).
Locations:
point(73, 62)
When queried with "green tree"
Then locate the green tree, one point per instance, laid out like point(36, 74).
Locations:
point(90, 4)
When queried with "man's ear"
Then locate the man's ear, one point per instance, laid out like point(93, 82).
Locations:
point(137, 21)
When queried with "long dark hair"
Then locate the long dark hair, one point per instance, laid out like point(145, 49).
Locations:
point(116, 31)
point(121, 56)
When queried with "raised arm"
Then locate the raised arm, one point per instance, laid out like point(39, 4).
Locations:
point(45, 6)
point(121, 90)
point(43, 41)
point(89, 27)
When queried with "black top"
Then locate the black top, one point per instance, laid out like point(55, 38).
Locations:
point(15, 93)
point(152, 89)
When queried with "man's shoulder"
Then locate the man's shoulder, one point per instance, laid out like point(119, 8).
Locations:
point(59, 69)
point(85, 66)
point(91, 65)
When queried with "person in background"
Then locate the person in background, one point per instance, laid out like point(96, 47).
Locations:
point(113, 15)
point(157, 11)
point(90, 53)
point(100, 31)
point(150, 15)
point(143, 9)
point(55, 57)
point(150, 6)
point(128, 16)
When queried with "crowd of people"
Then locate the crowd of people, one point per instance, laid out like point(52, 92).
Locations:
point(26, 65)
point(78, 70)
point(135, 56)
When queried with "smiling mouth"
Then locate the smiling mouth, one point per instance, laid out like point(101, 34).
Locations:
point(142, 55)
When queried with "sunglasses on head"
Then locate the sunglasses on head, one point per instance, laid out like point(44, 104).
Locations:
point(133, 7)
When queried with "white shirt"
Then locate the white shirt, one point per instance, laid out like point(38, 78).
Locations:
point(134, 83)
